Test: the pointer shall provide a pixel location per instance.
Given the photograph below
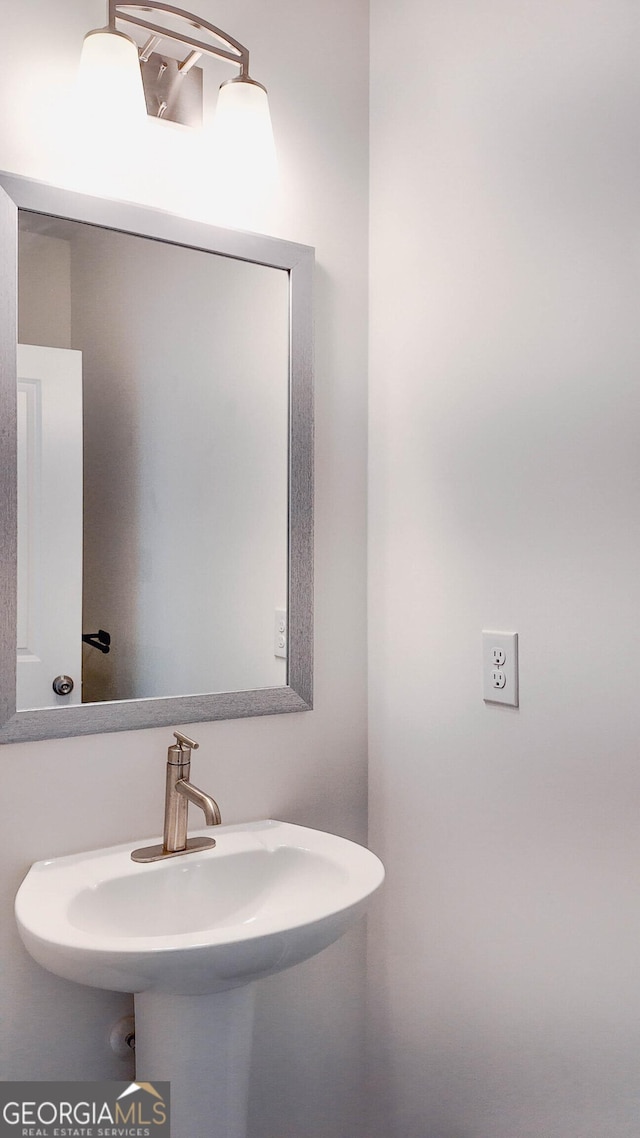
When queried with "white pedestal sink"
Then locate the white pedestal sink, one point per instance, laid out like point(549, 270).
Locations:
point(189, 935)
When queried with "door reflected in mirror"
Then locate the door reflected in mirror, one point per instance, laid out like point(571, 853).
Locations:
point(153, 466)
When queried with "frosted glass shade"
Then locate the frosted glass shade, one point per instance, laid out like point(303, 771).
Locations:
point(243, 135)
point(109, 78)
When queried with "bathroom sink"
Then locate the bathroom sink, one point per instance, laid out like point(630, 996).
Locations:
point(188, 935)
point(269, 895)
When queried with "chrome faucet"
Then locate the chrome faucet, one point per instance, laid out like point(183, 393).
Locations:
point(179, 793)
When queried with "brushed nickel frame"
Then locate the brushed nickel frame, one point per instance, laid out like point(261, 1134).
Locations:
point(125, 715)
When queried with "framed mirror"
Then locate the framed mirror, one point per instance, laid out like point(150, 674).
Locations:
point(156, 438)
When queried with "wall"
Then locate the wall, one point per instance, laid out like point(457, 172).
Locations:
point(504, 495)
point(309, 768)
point(44, 290)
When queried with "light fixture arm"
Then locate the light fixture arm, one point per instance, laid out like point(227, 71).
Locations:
point(230, 49)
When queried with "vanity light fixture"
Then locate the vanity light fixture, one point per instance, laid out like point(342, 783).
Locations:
point(119, 77)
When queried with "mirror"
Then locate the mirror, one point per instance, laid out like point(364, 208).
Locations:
point(160, 411)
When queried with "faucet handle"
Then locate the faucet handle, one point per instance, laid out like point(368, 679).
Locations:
point(184, 741)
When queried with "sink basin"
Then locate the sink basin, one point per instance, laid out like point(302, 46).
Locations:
point(187, 936)
point(268, 896)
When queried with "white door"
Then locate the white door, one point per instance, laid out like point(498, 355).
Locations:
point(49, 524)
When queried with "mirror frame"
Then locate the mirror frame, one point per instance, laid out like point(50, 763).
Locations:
point(298, 260)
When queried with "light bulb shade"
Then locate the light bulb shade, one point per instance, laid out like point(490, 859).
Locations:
point(109, 78)
point(243, 135)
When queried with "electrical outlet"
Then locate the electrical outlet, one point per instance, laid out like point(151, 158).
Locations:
point(500, 667)
point(280, 634)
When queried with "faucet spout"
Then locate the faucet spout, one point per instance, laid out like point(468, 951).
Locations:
point(207, 804)
point(179, 793)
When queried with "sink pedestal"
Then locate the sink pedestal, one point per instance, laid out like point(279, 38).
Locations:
point(202, 1046)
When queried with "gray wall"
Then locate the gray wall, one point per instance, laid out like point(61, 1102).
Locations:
point(308, 768)
point(505, 474)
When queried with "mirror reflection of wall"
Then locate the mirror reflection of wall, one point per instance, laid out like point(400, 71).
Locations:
point(185, 361)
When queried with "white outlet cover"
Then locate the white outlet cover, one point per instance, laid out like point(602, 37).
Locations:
point(508, 642)
point(280, 633)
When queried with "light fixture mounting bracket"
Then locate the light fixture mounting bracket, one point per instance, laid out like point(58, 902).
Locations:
point(170, 94)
